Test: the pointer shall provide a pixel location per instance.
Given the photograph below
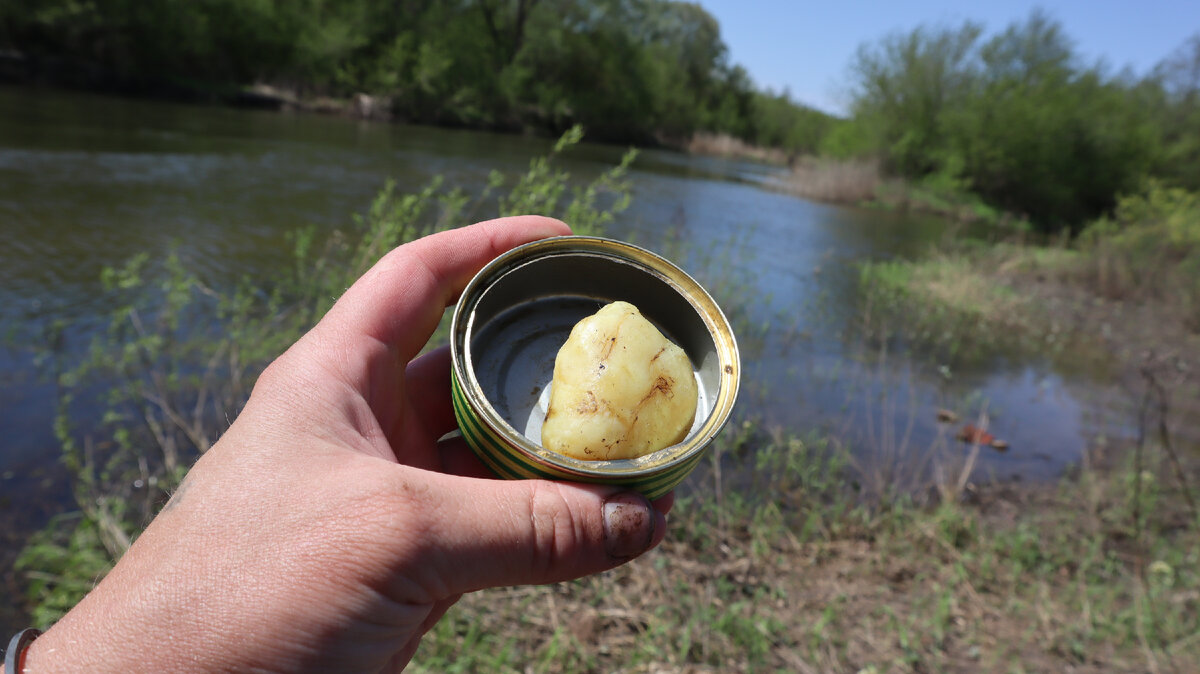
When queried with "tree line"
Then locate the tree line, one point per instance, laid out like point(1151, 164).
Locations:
point(645, 71)
point(1017, 117)
point(1022, 120)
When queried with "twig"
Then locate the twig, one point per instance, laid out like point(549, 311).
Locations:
point(1151, 661)
point(1164, 436)
point(1138, 450)
point(720, 493)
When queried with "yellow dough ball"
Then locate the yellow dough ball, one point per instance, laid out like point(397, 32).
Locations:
point(621, 389)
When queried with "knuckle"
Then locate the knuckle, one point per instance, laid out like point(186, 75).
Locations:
point(557, 532)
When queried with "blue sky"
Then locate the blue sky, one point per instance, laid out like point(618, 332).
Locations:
point(806, 46)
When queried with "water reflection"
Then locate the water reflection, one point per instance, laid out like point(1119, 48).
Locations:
point(86, 181)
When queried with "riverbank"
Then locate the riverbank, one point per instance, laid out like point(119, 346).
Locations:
point(1082, 576)
point(1098, 571)
point(862, 182)
point(1127, 289)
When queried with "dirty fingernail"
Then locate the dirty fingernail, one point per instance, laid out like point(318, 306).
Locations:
point(628, 525)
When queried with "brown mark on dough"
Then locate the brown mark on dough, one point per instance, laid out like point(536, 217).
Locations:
point(664, 385)
point(660, 352)
point(612, 341)
point(608, 348)
point(588, 406)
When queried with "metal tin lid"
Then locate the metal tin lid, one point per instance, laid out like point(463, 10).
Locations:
point(518, 311)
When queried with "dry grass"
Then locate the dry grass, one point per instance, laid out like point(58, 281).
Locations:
point(724, 145)
point(953, 301)
point(957, 283)
point(839, 181)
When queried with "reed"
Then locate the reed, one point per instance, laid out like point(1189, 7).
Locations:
point(725, 145)
point(839, 181)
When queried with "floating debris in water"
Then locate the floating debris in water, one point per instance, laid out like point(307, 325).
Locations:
point(977, 436)
point(946, 416)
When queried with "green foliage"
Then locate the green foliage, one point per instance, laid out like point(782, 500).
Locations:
point(1149, 247)
point(177, 359)
point(540, 190)
point(1017, 118)
point(1172, 94)
point(848, 138)
point(777, 121)
point(643, 71)
point(906, 86)
point(59, 572)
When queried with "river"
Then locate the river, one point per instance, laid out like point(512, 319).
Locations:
point(86, 181)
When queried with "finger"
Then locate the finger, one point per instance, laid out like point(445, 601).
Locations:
point(458, 459)
point(513, 532)
point(398, 301)
point(427, 382)
point(664, 503)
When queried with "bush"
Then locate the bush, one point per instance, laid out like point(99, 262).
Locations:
point(1017, 118)
point(1148, 248)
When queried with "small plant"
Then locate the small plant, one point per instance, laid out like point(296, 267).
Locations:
point(178, 359)
point(1148, 248)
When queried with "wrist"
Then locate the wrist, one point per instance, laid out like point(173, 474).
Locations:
point(14, 653)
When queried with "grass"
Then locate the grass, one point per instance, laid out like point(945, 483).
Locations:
point(941, 195)
point(862, 181)
point(952, 284)
point(816, 578)
point(839, 181)
point(956, 308)
point(1123, 293)
point(725, 145)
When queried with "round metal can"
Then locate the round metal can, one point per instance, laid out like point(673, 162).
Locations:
point(518, 311)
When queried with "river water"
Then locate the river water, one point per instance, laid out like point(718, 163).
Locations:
point(86, 181)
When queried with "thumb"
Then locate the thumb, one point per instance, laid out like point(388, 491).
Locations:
point(525, 532)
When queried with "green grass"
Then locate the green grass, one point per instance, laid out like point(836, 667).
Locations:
point(953, 309)
point(945, 196)
point(972, 294)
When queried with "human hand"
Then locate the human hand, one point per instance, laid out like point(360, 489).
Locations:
point(328, 529)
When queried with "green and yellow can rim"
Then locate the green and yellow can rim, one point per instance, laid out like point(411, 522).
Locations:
point(544, 269)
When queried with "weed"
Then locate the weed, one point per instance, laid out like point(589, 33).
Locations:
point(177, 360)
point(843, 181)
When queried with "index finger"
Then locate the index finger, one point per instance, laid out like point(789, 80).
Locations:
point(400, 300)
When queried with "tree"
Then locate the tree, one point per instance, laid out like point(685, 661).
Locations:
point(1173, 91)
point(1015, 118)
point(906, 86)
point(506, 28)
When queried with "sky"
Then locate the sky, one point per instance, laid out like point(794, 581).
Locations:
point(806, 46)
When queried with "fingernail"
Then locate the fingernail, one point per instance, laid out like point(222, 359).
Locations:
point(628, 525)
